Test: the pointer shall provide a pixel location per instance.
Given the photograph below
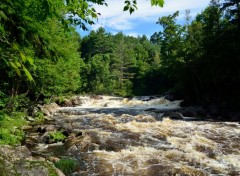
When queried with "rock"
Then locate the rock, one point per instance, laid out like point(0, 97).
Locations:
point(53, 159)
point(30, 119)
point(41, 129)
point(48, 118)
point(96, 97)
point(85, 143)
point(67, 103)
point(173, 115)
point(49, 109)
point(51, 128)
point(26, 127)
point(31, 141)
point(151, 109)
point(18, 161)
point(189, 112)
point(76, 101)
point(59, 172)
point(170, 97)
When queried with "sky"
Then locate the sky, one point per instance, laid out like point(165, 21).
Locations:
point(143, 21)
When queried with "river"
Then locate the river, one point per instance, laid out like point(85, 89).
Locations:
point(123, 137)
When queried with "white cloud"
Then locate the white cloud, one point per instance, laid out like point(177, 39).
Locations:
point(114, 18)
point(133, 34)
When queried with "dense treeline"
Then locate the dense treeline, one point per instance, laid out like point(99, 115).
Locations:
point(203, 57)
point(42, 55)
point(198, 61)
point(118, 64)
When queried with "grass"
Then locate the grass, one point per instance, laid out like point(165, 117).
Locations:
point(67, 165)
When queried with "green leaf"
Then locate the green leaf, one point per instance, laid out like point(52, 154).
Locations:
point(131, 10)
point(13, 65)
point(23, 57)
point(18, 64)
point(157, 3)
point(28, 74)
point(30, 61)
point(2, 15)
point(125, 8)
point(16, 67)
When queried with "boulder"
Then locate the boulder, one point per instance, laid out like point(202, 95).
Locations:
point(49, 109)
point(189, 112)
point(18, 161)
point(173, 115)
point(96, 97)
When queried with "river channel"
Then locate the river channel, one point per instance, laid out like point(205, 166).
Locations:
point(129, 136)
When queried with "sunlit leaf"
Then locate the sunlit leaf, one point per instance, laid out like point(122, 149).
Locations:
point(28, 74)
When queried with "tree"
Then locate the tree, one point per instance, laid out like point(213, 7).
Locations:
point(19, 25)
point(98, 42)
point(232, 9)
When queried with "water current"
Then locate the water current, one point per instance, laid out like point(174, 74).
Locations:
point(121, 136)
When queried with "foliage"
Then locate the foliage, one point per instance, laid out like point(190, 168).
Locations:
point(57, 136)
point(115, 64)
point(204, 54)
point(10, 132)
point(67, 165)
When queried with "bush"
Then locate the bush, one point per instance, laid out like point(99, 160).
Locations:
point(10, 132)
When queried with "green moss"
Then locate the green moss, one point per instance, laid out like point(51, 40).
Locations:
point(43, 167)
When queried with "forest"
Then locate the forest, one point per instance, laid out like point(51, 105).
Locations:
point(43, 57)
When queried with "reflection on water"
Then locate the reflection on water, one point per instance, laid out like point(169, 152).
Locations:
point(120, 138)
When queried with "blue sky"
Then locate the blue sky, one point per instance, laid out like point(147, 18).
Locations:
point(143, 21)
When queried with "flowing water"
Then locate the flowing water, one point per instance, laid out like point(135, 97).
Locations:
point(121, 136)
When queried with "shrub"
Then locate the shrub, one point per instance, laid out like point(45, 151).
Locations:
point(10, 132)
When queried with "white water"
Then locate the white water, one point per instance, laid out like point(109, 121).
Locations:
point(121, 138)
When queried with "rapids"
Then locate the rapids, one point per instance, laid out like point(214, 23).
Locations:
point(121, 136)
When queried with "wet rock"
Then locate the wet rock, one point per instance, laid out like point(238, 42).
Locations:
point(65, 133)
point(151, 109)
point(72, 102)
point(51, 128)
point(81, 143)
point(67, 103)
point(170, 97)
point(189, 112)
point(76, 101)
point(45, 139)
point(49, 109)
point(173, 115)
point(31, 140)
point(96, 97)
point(41, 130)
